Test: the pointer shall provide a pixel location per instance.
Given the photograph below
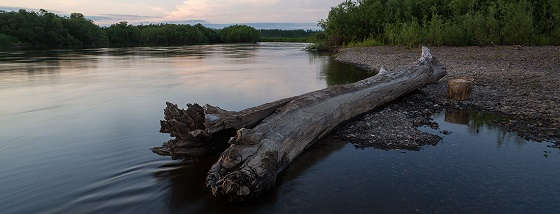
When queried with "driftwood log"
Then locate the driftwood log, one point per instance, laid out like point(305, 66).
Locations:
point(267, 138)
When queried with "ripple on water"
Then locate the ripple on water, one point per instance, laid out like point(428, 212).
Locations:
point(121, 190)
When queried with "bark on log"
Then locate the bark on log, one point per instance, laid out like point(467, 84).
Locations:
point(459, 89)
point(271, 136)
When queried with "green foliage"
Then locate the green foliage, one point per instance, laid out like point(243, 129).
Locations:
point(485, 28)
point(211, 35)
point(343, 24)
point(319, 46)
point(239, 33)
point(365, 43)
point(319, 41)
point(123, 34)
point(85, 32)
point(277, 35)
point(48, 30)
point(444, 22)
point(518, 23)
point(7, 41)
point(405, 33)
point(286, 39)
point(434, 29)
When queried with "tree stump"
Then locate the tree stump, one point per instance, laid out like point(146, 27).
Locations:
point(459, 89)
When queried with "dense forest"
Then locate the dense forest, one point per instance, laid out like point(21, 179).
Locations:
point(352, 23)
point(276, 35)
point(47, 30)
point(443, 22)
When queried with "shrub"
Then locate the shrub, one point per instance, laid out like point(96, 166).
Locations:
point(518, 23)
point(435, 30)
point(239, 33)
point(444, 22)
point(371, 41)
point(407, 34)
point(7, 41)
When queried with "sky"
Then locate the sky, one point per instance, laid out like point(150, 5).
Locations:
point(214, 11)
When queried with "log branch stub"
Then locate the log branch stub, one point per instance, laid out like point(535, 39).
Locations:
point(459, 89)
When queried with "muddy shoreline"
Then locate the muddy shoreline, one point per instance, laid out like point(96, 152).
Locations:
point(521, 85)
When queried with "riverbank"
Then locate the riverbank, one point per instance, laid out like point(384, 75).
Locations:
point(519, 84)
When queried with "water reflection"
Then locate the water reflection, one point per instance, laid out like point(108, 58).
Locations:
point(336, 73)
point(458, 117)
point(184, 185)
point(186, 180)
point(477, 121)
point(76, 125)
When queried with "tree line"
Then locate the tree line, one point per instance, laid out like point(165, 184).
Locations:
point(45, 30)
point(278, 35)
point(443, 22)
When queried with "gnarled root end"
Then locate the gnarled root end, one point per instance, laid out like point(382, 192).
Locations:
point(188, 127)
point(199, 130)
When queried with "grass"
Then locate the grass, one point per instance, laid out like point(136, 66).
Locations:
point(365, 43)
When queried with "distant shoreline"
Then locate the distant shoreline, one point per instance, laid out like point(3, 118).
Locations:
point(45, 30)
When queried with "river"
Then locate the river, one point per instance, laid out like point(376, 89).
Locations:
point(76, 127)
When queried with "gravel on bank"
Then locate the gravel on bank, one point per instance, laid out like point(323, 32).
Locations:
point(521, 84)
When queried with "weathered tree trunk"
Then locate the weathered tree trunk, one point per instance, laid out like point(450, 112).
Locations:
point(271, 136)
point(459, 89)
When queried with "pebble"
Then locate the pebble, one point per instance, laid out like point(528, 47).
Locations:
point(521, 90)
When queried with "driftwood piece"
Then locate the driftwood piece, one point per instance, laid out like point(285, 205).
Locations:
point(257, 155)
point(459, 89)
point(269, 137)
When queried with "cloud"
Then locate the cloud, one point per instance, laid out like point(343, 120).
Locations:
point(94, 7)
point(216, 11)
point(228, 11)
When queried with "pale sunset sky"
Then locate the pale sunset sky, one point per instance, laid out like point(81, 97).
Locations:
point(214, 11)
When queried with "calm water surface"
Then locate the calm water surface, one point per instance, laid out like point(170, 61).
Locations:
point(76, 128)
